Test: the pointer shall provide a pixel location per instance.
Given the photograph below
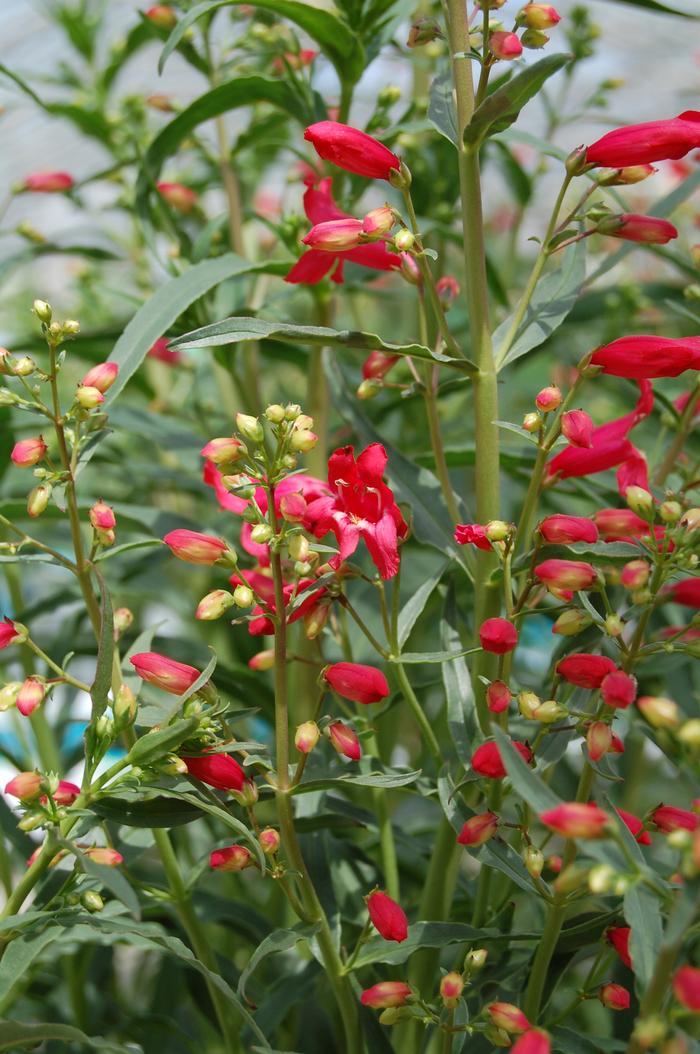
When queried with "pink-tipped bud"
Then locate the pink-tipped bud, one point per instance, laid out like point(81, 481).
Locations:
point(626, 176)
point(686, 987)
point(385, 994)
point(48, 182)
point(303, 440)
point(224, 450)
point(213, 605)
point(448, 290)
point(220, 771)
point(598, 740)
point(548, 399)
point(28, 452)
point(195, 548)
point(614, 996)
point(577, 427)
point(639, 499)
point(293, 507)
point(388, 917)
point(161, 15)
point(269, 840)
point(508, 1017)
point(410, 269)
point(619, 689)
point(668, 818)
point(533, 858)
point(576, 820)
point(171, 676)
point(102, 854)
point(535, 1041)
point(451, 988)
point(566, 574)
point(378, 221)
point(498, 696)
point(30, 696)
point(102, 516)
point(263, 660)
point(306, 737)
point(181, 198)
point(478, 829)
point(505, 45)
point(538, 16)
point(88, 398)
point(560, 529)
point(345, 740)
point(635, 574)
point(101, 376)
point(659, 711)
point(230, 858)
point(352, 680)
point(335, 236)
point(25, 785)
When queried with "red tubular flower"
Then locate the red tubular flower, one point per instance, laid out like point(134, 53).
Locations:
point(487, 761)
point(25, 785)
point(195, 548)
point(614, 996)
point(230, 858)
point(619, 938)
point(566, 574)
point(498, 696)
point(686, 987)
point(686, 592)
point(388, 917)
point(563, 530)
point(351, 149)
point(645, 356)
point(668, 818)
point(577, 427)
point(641, 144)
point(171, 676)
point(472, 534)
point(181, 198)
point(631, 227)
point(478, 829)
point(48, 182)
point(9, 634)
point(533, 1042)
point(334, 236)
point(508, 1017)
point(217, 770)
point(377, 365)
point(361, 505)
point(585, 670)
point(314, 265)
point(620, 525)
point(352, 680)
point(635, 826)
point(576, 819)
point(385, 994)
point(619, 689)
point(498, 636)
point(345, 740)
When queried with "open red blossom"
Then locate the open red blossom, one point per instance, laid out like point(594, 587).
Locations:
point(686, 592)
point(635, 826)
point(388, 917)
point(619, 689)
point(686, 987)
point(315, 264)
point(217, 770)
point(669, 818)
point(487, 761)
point(361, 505)
point(563, 530)
point(472, 534)
point(645, 356)
point(478, 829)
point(641, 144)
point(619, 938)
point(352, 680)
point(498, 636)
point(351, 149)
point(610, 447)
point(533, 1042)
point(585, 670)
point(574, 819)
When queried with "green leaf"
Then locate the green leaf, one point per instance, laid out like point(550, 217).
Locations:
point(423, 935)
point(441, 107)
point(152, 812)
point(238, 328)
point(501, 109)
point(413, 608)
point(109, 877)
point(361, 779)
point(153, 745)
point(279, 941)
point(569, 1042)
point(14, 1035)
point(526, 782)
point(203, 679)
point(335, 38)
point(105, 652)
point(461, 720)
point(220, 812)
point(417, 657)
point(553, 299)
point(145, 543)
point(643, 914)
point(9, 266)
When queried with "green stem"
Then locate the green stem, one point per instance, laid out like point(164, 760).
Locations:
point(424, 724)
point(684, 426)
point(386, 832)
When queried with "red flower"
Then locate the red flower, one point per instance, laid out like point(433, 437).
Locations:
point(619, 689)
point(48, 182)
point(620, 525)
point(487, 761)
point(230, 858)
point(195, 548)
point(686, 592)
point(669, 818)
point(686, 987)
point(361, 506)
point(634, 825)
point(577, 427)
point(351, 149)
point(217, 770)
point(263, 587)
point(640, 144)
point(478, 829)
point(352, 680)
point(498, 696)
point(533, 1042)
point(9, 633)
point(575, 819)
point(315, 264)
point(645, 356)
point(388, 917)
point(171, 676)
point(631, 227)
point(505, 45)
point(584, 670)
point(498, 636)
point(472, 534)
point(619, 937)
point(562, 530)
point(566, 574)
point(385, 994)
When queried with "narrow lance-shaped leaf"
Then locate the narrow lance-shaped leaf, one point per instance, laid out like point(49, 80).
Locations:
point(105, 651)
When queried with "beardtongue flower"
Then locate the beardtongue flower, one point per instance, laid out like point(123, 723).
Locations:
point(646, 356)
point(25, 785)
point(28, 452)
point(538, 16)
point(352, 680)
point(377, 365)
point(685, 592)
point(577, 426)
point(576, 820)
point(334, 236)
point(668, 818)
point(641, 144)
point(385, 994)
point(478, 829)
point(101, 376)
point(352, 150)
point(361, 505)
point(487, 761)
point(230, 858)
point(472, 534)
point(635, 826)
point(181, 198)
point(217, 770)
point(508, 1017)
point(195, 548)
point(345, 740)
point(388, 917)
point(631, 227)
point(498, 635)
point(686, 987)
point(533, 1042)
point(619, 938)
point(566, 574)
point(619, 689)
point(30, 696)
point(48, 182)
point(10, 634)
point(505, 45)
point(585, 670)
point(617, 525)
point(614, 996)
point(563, 530)
point(171, 676)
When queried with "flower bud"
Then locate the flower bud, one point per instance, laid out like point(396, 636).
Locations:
point(269, 840)
point(247, 795)
point(498, 696)
point(168, 674)
point(668, 818)
point(42, 310)
point(639, 500)
point(475, 959)
point(670, 511)
point(261, 533)
point(649, 1032)
point(598, 740)
point(478, 829)
point(570, 879)
point(195, 548)
point(181, 198)
point(451, 987)
point(533, 39)
point(263, 660)
point(497, 530)
point(24, 366)
point(613, 625)
point(123, 620)
point(368, 389)
point(104, 855)
point(659, 711)
point(528, 703)
point(102, 516)
point(571, 622)
point(566, 574)
point(404, 241)
point(619, 689)
point(92, 901)
point(345, 740)
point(691, 519)
point(538, 16)
point(532, 423)
point(505, 45)
point(689, 733)
point(385, 994)
point(38, 499)
point(28, 452)
point(615, 177)
point(89, 398)
point(575, 820)
point(577, 427)
point(614, 996)
point(387, 917)
point(31, 821)
point(306, 737)
point(508, 1017)
point(303, 440)
point(25, 785)
point(533, 859)
point(275, 413)
point(101, 377)
point(378, 221)
point(548, 399)
point(214, 605)
point(549, 711)
point(230, 858)
point(635, 574)
point(355, 681)
point(30, 696)
point(124, 708)
point(423, 31)
point(224, 450)
point(250, 428)
point(8, 695)
point(243, 596)
point(498, 636)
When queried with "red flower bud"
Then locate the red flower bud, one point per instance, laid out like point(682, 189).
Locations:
point(598, 740)
point(659, 711)
point(686, 592)
point(498, 636)
point(635, 826)
point(533, 1042)
point(171, 676)
point(223, 450)
point(614, 996)
point(486, 759)
point(351, 149)
point(631, 227)
point(686, 987)
point(641, 144)
point(566, 574)
point(563, 530)
point(619, 937)
point(585, 671)
point(548, 399)
point(644, 356)
point(306, 737)
point(508, 1017)
point(505, 45)
point(498, 696)
point(269, 840)
point(385, 994)
point(388, 917)
point(230, 858)
point(617, 525)
point(48, 182)
point(352, 680)
point(25, 785)
point(377, 365)
point(28, 452)
point(345, 740)
point(217, 770)
point(195, 548)
point(178, 196)
point(102, 854)
point(451, 988)
point(101, 376)
point(334, 236)
point(538, 16)
point(478, 829)
point(577, 427)
point(635, 574)
point(102, 516)
point(576, 820)
point(619, 689)
point(66, 793)
point(668, 818)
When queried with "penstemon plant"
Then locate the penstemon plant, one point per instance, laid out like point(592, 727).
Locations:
point(406, 758)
